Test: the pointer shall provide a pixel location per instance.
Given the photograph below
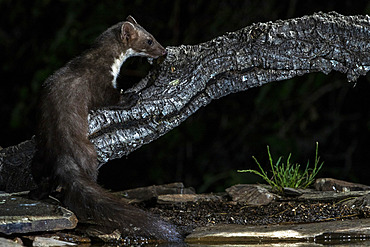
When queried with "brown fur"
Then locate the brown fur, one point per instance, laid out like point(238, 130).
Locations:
point(65, 155)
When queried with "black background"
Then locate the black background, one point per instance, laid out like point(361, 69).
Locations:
point(38, 37)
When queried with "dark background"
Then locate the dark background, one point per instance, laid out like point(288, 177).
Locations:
point(38, 37)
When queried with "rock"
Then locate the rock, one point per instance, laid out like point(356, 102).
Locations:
point(250, 194)
point(115, 238)
point(313, 232)
point(112, 237)
point(152, 192)
point(291, 192)
point(18, 214)
point(181, 198)
point(71, 238)
point(331, 184)
point(4, 242)
point(324, 196)
point(359, 202)
point(58, 238)
point(42, 241)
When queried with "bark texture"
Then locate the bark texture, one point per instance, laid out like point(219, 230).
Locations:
point(192, 76)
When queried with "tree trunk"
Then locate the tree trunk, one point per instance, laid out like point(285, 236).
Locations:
point(192, 76)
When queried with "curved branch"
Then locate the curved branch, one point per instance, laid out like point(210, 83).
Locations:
point(192, 76)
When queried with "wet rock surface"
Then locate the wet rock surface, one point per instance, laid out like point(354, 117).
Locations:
point(9, 242)
point(250, 194)
point(232, 213)
point(155, 191)
point(18, 214)
point(315, 232)
point(331, 184)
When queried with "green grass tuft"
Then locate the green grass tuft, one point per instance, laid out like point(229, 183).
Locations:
point(288, 175)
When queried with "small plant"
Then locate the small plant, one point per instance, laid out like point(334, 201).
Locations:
point(288, 175)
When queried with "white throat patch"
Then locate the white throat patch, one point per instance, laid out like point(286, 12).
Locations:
point(116, 66)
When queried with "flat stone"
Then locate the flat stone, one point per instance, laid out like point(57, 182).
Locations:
point(317, 232)
point(181, 198)
point(292, 192)
point(331, 184)
point(57, 239)
point(9, 243)
point(250, 194)
point(152, 192)
point(322, 196)
point(19, 214)
point(112, 237)
point(43, 241)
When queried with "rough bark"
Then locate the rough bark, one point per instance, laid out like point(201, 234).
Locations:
point(192, 76)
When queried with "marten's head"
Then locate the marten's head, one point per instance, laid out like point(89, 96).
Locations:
point(139, 40)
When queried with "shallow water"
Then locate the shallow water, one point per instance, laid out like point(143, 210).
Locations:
point(328, 240)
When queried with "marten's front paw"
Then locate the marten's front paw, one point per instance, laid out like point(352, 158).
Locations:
point(127, 100)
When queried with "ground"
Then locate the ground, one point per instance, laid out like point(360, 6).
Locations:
point(195, 214)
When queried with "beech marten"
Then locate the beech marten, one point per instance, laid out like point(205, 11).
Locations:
point(65, 157)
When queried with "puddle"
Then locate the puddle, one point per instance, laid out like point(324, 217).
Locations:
point(342, 241)
point(323, 240)
point(336, 239)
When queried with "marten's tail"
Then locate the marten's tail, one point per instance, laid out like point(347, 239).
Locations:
point(88, 200)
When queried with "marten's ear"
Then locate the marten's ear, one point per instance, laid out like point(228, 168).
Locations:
point(128, 31)
point(131, 19)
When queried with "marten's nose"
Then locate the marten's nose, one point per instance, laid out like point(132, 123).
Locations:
point(164, 52)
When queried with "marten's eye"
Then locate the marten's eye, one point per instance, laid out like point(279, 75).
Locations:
point(149, 41)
